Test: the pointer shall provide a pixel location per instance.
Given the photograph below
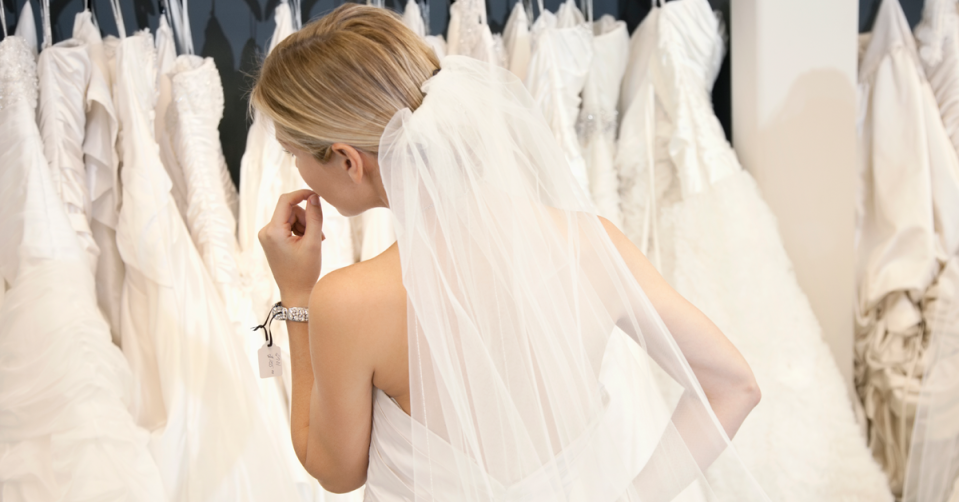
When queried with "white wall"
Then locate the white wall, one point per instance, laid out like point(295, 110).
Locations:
point(794, 66)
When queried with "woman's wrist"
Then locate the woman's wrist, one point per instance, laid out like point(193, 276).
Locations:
point(295, 299)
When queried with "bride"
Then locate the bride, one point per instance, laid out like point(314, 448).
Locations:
point(511, 345)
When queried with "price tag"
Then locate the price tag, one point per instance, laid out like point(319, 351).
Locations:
point(271, 365)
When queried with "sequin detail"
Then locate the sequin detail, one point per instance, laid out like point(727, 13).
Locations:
point(18, 73)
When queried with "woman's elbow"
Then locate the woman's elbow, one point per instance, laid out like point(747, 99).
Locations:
point(751, 393)
point(340, 485)
point(335, 477)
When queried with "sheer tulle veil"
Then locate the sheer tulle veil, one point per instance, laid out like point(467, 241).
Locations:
point(524, 385)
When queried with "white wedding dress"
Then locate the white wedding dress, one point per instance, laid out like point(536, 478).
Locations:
point(562, 51)
point(166, 58)
point(718, 246)
point(516, 40)
point(67, 433)
point(469, 34)
point(209, 434)
point(908, 226)
point(597, 119)
point(64, 73)
point(932, 471)
point(102, 170)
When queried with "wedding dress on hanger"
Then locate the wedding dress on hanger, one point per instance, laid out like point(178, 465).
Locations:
point(413, 19)
point(166, 57)
point(64, 387)
point(102, 170)
point(209, 434)
point(27, 30)
point(908, 219)
point(562, 51)
point(717, 244)
point(943, 78)
point(597, 119)
point(468, 32)
point(932, 468)
point(516, 39)
point(64, 74)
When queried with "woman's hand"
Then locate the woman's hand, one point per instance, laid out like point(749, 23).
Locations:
point(292, 242)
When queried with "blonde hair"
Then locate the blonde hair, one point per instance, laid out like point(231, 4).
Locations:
point(342, 78)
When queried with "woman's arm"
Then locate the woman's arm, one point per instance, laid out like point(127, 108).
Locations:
point(331, 415)
point(723, 373)
point(332, 405)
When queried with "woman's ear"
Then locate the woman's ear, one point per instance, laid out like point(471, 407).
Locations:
point(351, 161)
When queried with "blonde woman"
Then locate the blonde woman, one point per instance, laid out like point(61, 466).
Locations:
point(511, 345)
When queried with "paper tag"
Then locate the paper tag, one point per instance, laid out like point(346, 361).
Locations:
point(271, 365)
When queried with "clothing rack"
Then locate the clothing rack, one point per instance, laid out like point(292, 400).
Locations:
point(235, 34)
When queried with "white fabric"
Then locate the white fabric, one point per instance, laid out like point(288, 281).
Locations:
point(944, 81)
point(517, 40)
point(438, 44)
point(413, 18)
point(66, 433)
point(166, 57)
point(518, 391)
point(907, 216)
point(597, 119)
point(897, 243)
point(192, 118)
point(933, 464)
point(26, 29)
point(103, 180)
point(718, 246)
point(64, 73)
point(562, 50)
point(210, 437)
point(468, 32)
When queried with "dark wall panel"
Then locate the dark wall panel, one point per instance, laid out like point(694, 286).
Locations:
point(869, 8)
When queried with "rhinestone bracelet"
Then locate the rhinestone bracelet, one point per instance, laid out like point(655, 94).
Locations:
point(295, 314)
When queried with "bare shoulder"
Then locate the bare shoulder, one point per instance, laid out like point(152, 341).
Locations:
point(343, 291)
point(361, 310)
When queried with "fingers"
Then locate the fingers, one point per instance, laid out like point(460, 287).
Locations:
point(298, 220)
point(284, 206)
point(314, 219)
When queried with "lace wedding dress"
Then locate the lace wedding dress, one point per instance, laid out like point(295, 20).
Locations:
point(64, 387)
point(700, 217)
point(198, 395)
point(469, 34)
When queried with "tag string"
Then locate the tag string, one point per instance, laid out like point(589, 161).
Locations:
point(266, 325)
